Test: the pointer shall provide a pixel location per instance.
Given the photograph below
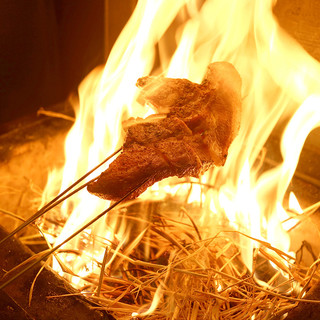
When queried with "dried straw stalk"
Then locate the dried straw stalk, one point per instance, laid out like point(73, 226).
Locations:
point(170, 270)
point(187, 276)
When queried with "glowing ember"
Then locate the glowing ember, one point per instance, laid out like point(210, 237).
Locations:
point(280, 82)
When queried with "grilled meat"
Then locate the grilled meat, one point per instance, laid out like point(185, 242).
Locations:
point(200, 122)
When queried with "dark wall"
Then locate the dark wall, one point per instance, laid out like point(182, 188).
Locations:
point(46, 49)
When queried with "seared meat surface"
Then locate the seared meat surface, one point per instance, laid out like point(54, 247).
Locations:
point(198, 125)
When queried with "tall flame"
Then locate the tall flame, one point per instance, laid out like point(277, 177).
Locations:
point(179, 39)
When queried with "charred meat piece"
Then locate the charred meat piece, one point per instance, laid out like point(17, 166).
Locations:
point(198, 125)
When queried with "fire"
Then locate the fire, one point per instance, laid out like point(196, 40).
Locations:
point(280, 82)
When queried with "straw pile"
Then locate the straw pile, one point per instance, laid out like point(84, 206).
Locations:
point(168, 270)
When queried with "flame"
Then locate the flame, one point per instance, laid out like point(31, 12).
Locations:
point(294, 204)
point(280, 85)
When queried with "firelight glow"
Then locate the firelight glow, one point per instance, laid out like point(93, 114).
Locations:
point(280, 82)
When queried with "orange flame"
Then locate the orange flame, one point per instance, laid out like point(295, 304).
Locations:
point(278, 76)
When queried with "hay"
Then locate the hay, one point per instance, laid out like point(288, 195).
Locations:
point(170, 269)
point(188, 276)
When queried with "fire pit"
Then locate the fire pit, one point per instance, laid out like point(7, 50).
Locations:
point(234, 244)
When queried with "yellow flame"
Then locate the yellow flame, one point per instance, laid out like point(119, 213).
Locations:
point(294, 204)
point(280, 81)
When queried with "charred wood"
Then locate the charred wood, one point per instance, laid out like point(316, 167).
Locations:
point(307, 311)
point(52, 297)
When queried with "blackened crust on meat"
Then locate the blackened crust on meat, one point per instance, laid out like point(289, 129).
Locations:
point(200, 123)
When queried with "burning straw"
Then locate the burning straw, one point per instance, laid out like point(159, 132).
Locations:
point(164, 265)
point(168, 270)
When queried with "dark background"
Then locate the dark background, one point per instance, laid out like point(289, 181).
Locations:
point(48, 46)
